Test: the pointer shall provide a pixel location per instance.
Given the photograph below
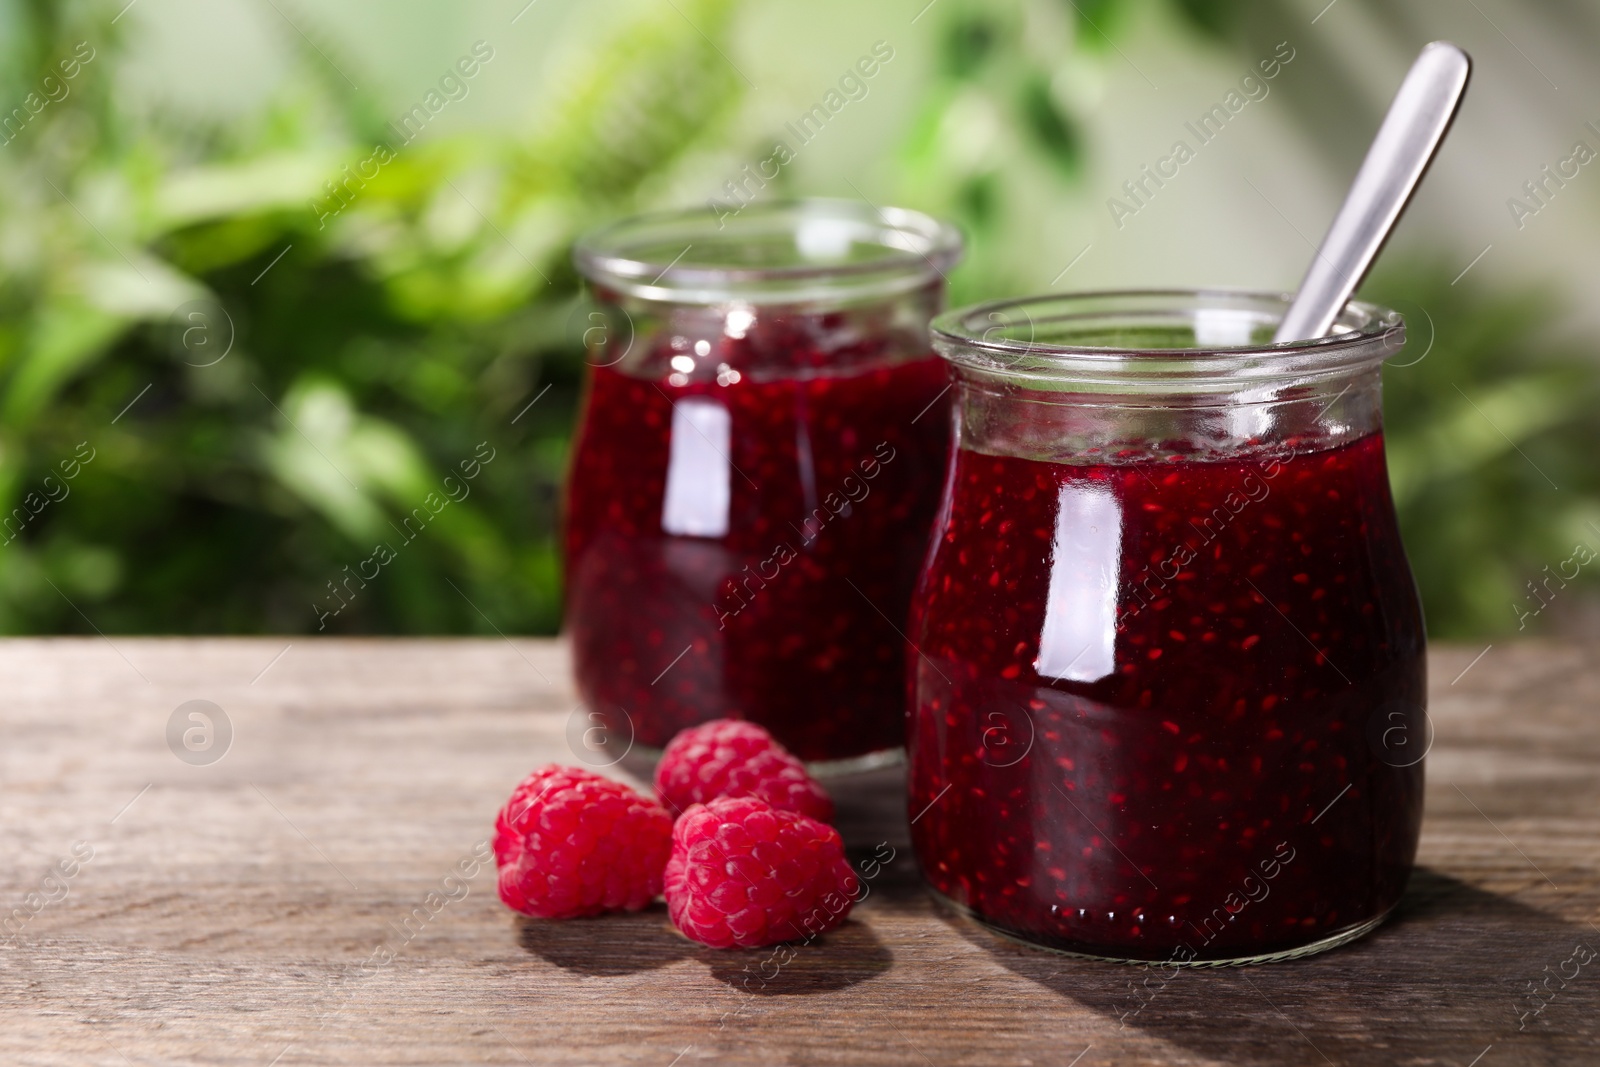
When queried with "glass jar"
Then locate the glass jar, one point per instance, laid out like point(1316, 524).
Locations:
point(757, 462)
point(1169, 699)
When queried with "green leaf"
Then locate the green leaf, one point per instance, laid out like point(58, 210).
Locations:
point(1213, 18)
point(968, 41)
point(1097, 21)
point(339, 462)
point(285, 180)
point(637, 101)
point(1051, 129)
point(1482, 424)
point(67, 336)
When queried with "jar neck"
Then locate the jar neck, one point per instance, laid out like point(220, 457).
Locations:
point(777, 253)
point(687, 343)
point(1008, 418)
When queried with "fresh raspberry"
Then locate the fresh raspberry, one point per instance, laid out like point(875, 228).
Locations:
point(745, 873)
point(571, 843)
point(731, 758)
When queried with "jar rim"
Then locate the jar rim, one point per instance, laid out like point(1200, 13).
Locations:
point(782, 251)
point(1049, 339)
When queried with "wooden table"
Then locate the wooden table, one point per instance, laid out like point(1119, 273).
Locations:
point(240, 911)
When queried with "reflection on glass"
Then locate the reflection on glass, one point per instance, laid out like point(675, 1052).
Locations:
point(695, 503)
point(1078, 640)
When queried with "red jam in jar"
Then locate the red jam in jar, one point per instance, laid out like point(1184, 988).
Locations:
point(1168, 704)
point(757, 464)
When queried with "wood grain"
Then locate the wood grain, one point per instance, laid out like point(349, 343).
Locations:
point(239, 912)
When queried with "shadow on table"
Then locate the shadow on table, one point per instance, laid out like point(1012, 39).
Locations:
point(606, 945)
point(1446, 978)
point(837, 960)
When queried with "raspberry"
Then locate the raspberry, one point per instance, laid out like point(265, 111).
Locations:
point(731, 758)
point(571, 843)
point(745, 873)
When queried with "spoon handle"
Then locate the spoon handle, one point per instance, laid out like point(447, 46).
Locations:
point(1406, 142)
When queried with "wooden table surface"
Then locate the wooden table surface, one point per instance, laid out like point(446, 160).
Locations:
point(253, 910)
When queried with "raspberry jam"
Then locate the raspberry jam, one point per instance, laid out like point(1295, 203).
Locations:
point(806, 573)
point(753, 479)
point(1168, 705)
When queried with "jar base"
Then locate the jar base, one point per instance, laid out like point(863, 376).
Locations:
point(1332, 941)
point(870, 761)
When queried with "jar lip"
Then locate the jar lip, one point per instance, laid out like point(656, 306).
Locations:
point(782, 251)
point(1002, 338)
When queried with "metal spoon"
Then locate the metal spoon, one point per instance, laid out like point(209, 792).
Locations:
point(1411, 132)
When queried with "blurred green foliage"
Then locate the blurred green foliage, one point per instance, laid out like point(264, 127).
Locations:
point(1491, 440)
point(433, 319)
point(373, 344)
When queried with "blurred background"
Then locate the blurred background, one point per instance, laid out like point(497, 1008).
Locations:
point(270, 269)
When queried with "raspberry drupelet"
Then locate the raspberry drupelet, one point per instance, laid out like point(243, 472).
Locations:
point(745, 873)
point(733, 758)
point(571, 843)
